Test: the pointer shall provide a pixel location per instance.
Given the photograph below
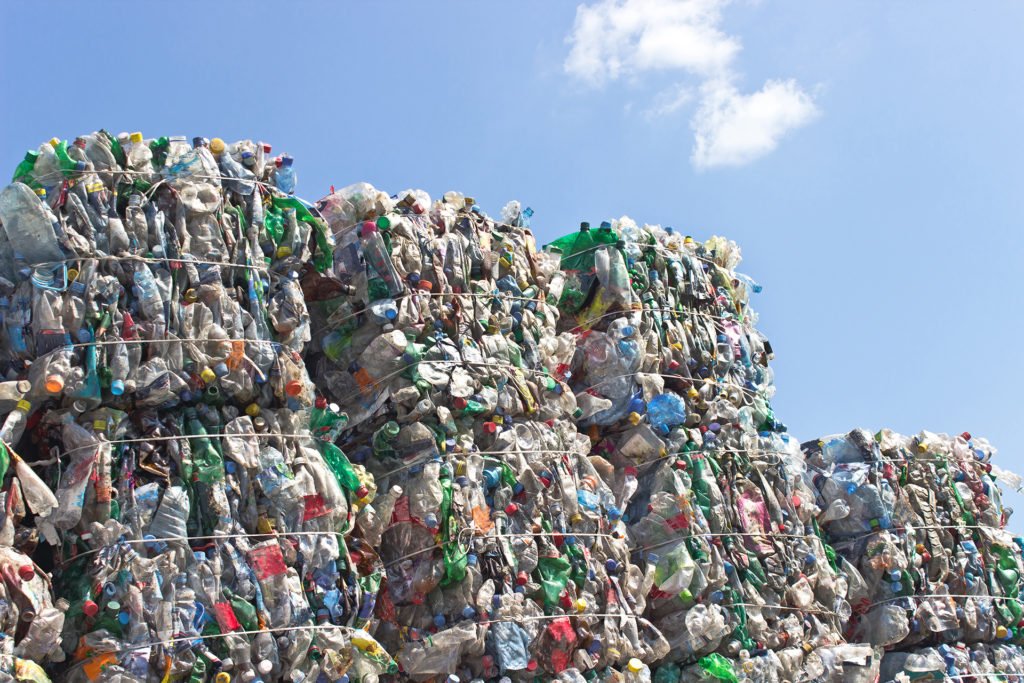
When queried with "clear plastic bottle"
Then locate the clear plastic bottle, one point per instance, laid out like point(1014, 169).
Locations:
point(30, 225)
point(237, 178)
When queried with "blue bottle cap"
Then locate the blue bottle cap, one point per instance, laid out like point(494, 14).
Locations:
point(286, 161)
point(220, 369)
point(124, 618)
point(471, 559)
point(117, 387)
point(439, 620)
point(496, 601)
point(468, 612)
point(611, 565)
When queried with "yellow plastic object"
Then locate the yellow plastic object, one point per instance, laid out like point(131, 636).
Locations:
point(217, 146)
point(135, 137)
point(635, 665)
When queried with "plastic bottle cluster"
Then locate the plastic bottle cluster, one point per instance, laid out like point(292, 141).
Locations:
point(384, 437)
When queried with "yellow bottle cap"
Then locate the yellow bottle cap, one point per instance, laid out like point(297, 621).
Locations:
point(99, 425)
point(208, 375)
point(222, 677)
point(54, 142)
point(635, 665)
point(24, 406)
point(1000, 631)
point(217, 146)
point(581, 605)
point(284, 251)
point(136, 137)
point(41, 191)
point(72, 274)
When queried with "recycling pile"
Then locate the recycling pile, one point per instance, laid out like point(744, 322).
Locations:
point(168, 477)
point(938, 578)
point(719, 512)
point(500, 541)
point(385, 438)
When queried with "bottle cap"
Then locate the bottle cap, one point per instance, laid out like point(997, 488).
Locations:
point(26, 572)
point(207, 375)
point(135, 137)
point(217, 146)
point(90, 608)
point(23, 386)
point(222, 677)
point(220, 369)
point(635, 665)
point(293, 388)
point(117, 387)
point(54, 384)
point(286, 161)
point(265, 666)
point(54, 142)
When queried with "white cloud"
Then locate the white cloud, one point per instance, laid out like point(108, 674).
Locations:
point(732, 129)
point(669, 101)
point(613, 39)
point(618, 38)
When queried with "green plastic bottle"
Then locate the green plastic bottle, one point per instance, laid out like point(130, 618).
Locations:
point(23, 172)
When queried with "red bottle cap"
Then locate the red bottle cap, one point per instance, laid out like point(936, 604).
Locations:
point(511, 509)
point(26, 572)
point(90, 608)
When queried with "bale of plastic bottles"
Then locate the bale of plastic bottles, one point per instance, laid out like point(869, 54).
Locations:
point(720, 514)
point(167, 465)
point(935, 576)
point(383, 437)
point(500, 541)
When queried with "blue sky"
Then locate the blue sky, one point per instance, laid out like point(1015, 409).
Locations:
point(866, 155)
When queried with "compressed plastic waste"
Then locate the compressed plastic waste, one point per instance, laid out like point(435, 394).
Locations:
point(388, 437)
point(174, 492)
point(502, 548)
point(920, 522)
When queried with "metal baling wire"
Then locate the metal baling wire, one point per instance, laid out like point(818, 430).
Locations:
point(148, 259)
point(687, 310)
point(190, 539)
point(377, 382)
point(953, 596)
point(215, 435)
point(334, 627)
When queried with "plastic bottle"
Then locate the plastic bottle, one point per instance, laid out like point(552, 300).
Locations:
point(378, 261)
point(30, 225)
point(284, 175)
point(140, 157)
point(237, 178)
